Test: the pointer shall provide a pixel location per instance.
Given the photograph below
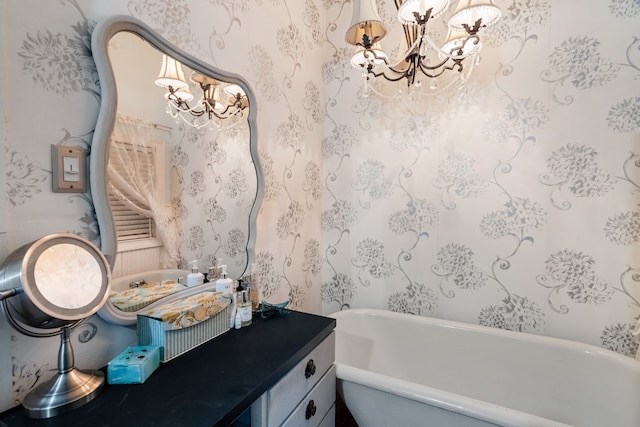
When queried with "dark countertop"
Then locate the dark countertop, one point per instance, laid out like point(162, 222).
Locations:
point(211, 385)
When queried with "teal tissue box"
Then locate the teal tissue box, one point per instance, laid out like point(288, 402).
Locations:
point(134, 365)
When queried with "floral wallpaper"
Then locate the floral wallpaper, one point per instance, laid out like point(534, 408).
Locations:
point(48, 58)
point(511, 203)
point(213, 193)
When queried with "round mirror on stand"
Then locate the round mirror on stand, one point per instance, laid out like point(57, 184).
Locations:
point(48, 287)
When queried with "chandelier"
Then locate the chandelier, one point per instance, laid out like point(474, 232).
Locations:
point(423, 55)
point(218, 101)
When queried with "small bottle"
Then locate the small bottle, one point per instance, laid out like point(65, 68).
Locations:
point(223, 284)
point(238, 321)
point(213, 273)
point(244, 307)
point(234, 310)
point(252, 285)
point(216, 270)
point(194, 278)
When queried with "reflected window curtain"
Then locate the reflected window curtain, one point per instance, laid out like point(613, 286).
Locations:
point(135, 184)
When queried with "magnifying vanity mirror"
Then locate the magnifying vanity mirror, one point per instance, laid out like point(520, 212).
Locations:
point(175, 147)
point(48, 287)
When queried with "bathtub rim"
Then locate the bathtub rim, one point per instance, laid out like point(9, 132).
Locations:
point(579, 346)
point(452, 402)
point(460, 403)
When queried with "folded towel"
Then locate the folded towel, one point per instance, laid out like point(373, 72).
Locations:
point(189, 311)
point(134, 299)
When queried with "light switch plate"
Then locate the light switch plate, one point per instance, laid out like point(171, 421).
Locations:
point(68, 167)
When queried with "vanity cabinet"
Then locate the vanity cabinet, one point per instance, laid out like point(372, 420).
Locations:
point(280, 369)
point(303, 397)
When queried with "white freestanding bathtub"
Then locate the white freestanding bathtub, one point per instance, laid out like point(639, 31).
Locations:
point(402, 370)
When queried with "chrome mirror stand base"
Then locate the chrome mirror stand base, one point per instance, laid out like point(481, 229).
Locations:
point(69, 388)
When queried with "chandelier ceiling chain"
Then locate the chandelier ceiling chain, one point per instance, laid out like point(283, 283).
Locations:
point(423, 56)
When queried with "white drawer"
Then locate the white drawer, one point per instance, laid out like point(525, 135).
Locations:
point(329, 419)
point(286, 394)
point(317, 404)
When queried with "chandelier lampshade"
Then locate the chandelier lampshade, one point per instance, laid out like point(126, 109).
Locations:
point(171, 74)
point(210, 90)
point(362, 56)
point(234, 90)
point(411, 9)
point(236, 95)
point(470, 11)
point(183, 94)
point(458, 44)
point(366, 26)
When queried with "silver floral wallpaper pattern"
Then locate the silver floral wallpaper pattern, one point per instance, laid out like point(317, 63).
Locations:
point(214, 184)
point(511, 203)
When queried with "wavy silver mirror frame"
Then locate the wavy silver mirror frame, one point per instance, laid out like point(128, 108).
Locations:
point(107, 115)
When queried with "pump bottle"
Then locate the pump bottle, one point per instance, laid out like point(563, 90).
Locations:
point(224, 284)
point(194, 278)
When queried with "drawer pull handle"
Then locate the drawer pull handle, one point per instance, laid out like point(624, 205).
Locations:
point(311, 409)
point(310, 369)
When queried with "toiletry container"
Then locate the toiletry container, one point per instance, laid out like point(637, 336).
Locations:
point(252, 286)
point(244, 307)
point(194, 278)
point(223, 284)
point(238, 321)
point(214, 270)
point(234, 309)
point(213, 273)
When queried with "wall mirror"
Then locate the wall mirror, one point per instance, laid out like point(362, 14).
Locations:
point(207, 180)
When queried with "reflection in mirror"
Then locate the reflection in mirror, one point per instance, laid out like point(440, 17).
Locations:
point(218, 102)
point(174, 169)
point(68, 276)
point(134, 294)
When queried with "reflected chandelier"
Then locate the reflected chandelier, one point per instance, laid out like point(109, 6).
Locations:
point(423, 55)
point(218, 101)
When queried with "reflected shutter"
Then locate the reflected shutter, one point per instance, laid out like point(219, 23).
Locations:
point(130, 225)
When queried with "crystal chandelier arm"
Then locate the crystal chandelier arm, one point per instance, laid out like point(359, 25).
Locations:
point(372, 57)
point(182, 105)
point(237, 106)
point(471, 36)
point(416, 62)
point(400, 74)
point(455, 66)
point(410, 71)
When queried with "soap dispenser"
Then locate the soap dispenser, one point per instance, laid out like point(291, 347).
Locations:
point(223, 284)
point(194, 278)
